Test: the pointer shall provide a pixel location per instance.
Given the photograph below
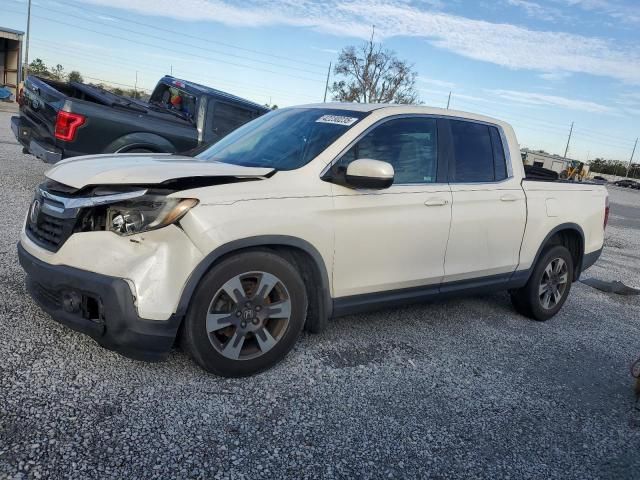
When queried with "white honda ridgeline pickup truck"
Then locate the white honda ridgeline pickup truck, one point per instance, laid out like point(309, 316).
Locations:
point(303, 214)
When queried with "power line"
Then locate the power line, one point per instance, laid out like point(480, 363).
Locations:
point(591, 133)
point(516, 117)
point(520, 125)
point(195, 37)
point(138, 42)
point(552, 124)
point(190, 45)
point(70, 52)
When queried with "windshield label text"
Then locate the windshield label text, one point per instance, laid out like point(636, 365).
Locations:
point(337, 120)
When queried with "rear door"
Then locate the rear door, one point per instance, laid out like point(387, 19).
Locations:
point(394, 238)
point(488, 212)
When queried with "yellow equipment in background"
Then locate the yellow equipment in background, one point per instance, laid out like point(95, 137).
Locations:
point(577, 172)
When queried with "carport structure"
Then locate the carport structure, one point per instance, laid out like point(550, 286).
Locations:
point(10, 59)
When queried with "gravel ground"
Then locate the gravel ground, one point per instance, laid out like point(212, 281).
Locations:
point(456, 389)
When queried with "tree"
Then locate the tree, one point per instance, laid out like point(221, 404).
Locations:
point(373, 74)
point(271, 107)
point(75, 76)
point(37, 67)
point(57, 73)
point(132, 93)
point(613, 167)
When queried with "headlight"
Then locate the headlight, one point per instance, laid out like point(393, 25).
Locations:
point(145, 213)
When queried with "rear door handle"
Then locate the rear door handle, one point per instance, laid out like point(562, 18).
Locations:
point(508, 198)
point(436, 202)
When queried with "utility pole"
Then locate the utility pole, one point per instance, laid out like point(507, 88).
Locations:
point(449, 100)
point(135, 85)
point(631, 159)
point(326, 85)
point(26, 43)
point(171, 69)
point(566, 150)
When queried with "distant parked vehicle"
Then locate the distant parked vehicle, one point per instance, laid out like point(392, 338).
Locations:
point(627, 184)
point(59, 120)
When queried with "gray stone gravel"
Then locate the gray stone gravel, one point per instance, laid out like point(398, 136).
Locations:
point(456, 389)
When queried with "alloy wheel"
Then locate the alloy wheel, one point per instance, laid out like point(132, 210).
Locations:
point(248, 315)
point(553, 283)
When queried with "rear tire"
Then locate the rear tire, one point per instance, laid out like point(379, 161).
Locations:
point(245, 315)
point(548, 286)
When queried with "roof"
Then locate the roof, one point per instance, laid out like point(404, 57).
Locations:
point(10, 33)
point(403, 108)
point(196, 88)
point(549, 155)
point(354, 107)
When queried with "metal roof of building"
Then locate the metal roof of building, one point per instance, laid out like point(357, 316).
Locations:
point(10, 33)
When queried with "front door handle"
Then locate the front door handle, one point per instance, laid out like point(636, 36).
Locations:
point(436, 202)
point(508, 198)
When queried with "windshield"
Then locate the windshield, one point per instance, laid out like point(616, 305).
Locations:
point(283, 139)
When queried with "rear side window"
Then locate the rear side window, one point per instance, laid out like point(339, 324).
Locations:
point(478, 153)
point(499, 161)
point(227, 117)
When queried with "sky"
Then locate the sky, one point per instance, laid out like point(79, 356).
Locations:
point(538, 64)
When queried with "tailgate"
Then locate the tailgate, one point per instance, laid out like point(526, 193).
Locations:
point(39, 107)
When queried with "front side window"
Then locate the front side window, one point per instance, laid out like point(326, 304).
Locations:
point(284, 139)
point(408, 144)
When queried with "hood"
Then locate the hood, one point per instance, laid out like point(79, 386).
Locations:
point(142, 168)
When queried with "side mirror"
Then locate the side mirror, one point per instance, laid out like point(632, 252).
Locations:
point(367, 173)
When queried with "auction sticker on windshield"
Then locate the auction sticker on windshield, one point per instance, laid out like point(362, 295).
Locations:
point(337, 120)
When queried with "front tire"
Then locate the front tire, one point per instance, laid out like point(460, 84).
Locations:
point(246, 314)
point(548, 287)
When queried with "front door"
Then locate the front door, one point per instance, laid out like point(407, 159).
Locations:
point(394, 238)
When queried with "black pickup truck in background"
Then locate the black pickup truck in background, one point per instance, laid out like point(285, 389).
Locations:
point(59, 120)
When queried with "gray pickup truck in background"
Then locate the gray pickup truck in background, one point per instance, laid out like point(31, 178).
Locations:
point(59, 120)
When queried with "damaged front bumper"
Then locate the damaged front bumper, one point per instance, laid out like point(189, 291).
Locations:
point(100, 306)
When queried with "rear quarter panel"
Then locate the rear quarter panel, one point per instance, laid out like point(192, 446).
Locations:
point(551, 204)
point(106, 125)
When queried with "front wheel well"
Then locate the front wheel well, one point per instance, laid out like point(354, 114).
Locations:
point(574, 242)
point(318, 310)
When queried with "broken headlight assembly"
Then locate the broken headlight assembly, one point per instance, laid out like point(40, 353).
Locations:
point(145, 213)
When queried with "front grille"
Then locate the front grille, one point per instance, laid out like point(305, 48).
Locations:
point(49, 223)
point(48, 231)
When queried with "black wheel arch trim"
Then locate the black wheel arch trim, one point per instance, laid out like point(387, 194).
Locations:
point(558, 228)
point(253, 242)
point(151, 141)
